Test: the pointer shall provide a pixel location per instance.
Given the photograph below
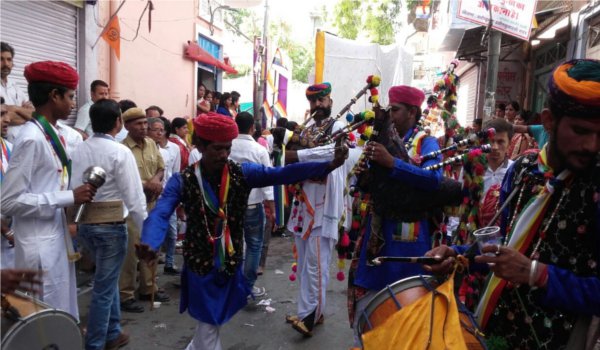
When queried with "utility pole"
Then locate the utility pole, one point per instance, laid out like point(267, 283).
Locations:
point(493, 58)
point(260, 93)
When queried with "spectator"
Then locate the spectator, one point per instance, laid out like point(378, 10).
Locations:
point(154, 112)
point(225, 105)
point(17, 102)
point(98, 90)
point(108, 242)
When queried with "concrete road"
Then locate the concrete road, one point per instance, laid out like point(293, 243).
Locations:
point(252, 328)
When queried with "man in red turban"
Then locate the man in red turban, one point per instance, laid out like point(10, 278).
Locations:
point(36, 187)
point(214, 192)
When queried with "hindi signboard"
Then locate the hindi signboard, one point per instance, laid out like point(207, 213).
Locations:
point(513, 17)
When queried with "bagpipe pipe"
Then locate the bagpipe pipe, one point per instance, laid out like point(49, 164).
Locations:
point(373, 82)
point(297, 140)
point(395, 199)
point(473, 139)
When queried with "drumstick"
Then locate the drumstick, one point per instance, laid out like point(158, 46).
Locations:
point(426, 260)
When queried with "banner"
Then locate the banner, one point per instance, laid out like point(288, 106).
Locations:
point(513, 17)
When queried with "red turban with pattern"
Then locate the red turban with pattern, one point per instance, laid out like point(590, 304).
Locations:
point(407, 95)
point(58, 73)
point(215, 127)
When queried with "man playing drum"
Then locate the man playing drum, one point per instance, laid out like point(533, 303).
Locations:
point(400, 234)
point(545, 283)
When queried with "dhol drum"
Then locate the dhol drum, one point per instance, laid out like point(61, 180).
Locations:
point(29, 324)
point(404, 292)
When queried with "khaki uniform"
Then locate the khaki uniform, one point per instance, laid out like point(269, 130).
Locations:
point(149, 162)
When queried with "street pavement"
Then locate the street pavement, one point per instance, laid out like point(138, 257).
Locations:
point(252, 328)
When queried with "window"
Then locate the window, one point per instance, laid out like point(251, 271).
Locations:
point(594, 33)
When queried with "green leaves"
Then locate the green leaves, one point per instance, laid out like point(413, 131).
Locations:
point(376, 19)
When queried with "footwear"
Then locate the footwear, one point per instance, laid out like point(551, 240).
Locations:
point(301, 328)
point(171, 270)
point(158, 296)
point(120, 341)
point(131, 305)
point(258, 291)
point(294, 318)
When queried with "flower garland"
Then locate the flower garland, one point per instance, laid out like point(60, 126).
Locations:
point(364, 132)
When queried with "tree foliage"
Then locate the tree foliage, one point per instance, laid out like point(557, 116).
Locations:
point(377, 19)
point(300, 55)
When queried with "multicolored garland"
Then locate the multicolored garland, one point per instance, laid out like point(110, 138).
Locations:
point(364, 132)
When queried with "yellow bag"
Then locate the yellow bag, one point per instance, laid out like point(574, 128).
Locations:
point(431, 322)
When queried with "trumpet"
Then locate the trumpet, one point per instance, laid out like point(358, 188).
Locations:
point(487, 148)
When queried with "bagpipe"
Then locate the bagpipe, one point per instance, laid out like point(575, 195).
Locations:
point(321, 136)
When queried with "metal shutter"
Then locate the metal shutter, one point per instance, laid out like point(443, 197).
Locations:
point(470, 78)
point(39, 31)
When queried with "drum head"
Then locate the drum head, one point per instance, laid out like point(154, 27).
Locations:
point(46, 330)
point(400, 291)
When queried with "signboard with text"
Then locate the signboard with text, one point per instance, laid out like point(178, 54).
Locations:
point(513, 17)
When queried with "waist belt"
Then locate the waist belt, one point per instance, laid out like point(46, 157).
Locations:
point(108, 223)
point(254, 206)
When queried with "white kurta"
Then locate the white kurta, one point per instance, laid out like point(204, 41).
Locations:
point(7, 253)
point(34, 194)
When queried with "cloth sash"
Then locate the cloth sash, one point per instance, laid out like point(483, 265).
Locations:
point(526, 227)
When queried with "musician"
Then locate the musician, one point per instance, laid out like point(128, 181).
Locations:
point(406, 237)
point(213, 285)
point(36, 190)
point(312, 201)
point(545, 281)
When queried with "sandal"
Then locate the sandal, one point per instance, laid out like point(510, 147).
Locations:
point(301, 328)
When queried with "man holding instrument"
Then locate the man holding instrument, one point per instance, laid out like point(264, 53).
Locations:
point(387, 233)
point(308, 219)
point(545, 282)
point(35, 190)
point(214, 193)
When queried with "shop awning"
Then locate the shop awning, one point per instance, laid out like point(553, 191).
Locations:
point(194, 52)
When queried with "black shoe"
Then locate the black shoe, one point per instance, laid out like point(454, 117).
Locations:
point(171, 270)
point(158, 296)
point(131, 306)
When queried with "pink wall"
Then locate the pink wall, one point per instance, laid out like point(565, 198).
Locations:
point(152, 69)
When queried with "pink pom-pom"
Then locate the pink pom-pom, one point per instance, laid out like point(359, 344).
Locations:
point(294, 267)
point(292, 277)
point(345, 242)
point(341, 276)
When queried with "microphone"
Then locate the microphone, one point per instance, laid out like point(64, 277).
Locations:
point(95, 176)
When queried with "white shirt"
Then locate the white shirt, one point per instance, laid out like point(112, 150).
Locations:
point(491, 177)
point(7, 253)
point(245, 150)
point(172, 157)
point(83, 122)
point(71, 136)
point(34, 193)
point(122, 175)
point(12, 93)
point(195, 156)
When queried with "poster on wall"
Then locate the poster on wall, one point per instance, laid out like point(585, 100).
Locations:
point(513, 17)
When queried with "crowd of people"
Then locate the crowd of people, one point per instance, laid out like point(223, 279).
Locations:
point(218, 178)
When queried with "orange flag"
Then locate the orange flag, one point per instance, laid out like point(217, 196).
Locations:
point(112, 35)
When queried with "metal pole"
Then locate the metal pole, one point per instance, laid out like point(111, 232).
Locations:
point(493, 58)
point(263, 71)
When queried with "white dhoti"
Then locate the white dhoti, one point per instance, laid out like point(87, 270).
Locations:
point(206, 337)
point(314, 256)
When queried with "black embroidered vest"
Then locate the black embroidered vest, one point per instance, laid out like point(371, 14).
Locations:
point(198, 251)
point(571, 243)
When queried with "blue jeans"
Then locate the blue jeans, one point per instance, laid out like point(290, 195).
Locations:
point(108, 244)
point(254, 226)
point(169, 242)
